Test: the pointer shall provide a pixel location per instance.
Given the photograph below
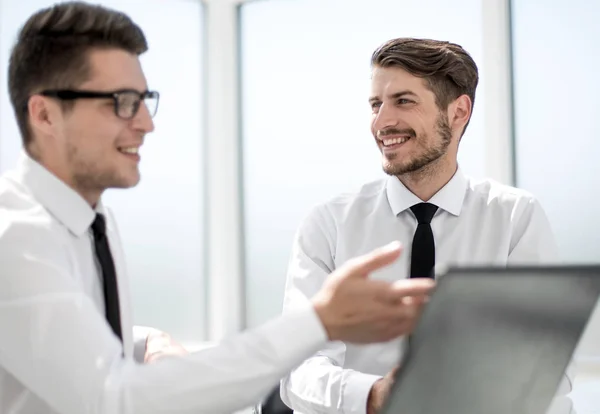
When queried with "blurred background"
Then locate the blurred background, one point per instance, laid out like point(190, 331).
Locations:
point(264, 113)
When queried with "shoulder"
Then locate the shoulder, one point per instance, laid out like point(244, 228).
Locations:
point(324, 220)
point(27, 229)
point(338, 208)
point(32, 248)
point(501, 197)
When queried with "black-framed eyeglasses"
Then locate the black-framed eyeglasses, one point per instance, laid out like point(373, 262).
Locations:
point(126, 101)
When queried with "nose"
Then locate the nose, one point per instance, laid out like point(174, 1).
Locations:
point(142, 121)
point(385, 118)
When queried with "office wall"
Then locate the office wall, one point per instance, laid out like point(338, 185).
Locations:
point(557, 133)
point(305, 72)
point(161, 220)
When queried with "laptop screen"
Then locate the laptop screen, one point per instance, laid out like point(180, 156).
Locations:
point(495, 341)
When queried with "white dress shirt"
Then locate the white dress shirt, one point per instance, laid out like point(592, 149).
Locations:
point(58, 355)
point(476, 223)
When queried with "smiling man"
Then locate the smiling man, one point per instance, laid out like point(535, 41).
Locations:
point(422, 97)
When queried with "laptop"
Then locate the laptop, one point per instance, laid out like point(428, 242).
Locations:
point(495, 340)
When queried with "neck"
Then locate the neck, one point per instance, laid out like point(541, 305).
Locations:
point(91, 195)
point(427, 181)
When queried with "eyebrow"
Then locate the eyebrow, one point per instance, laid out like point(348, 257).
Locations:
point(394, 96)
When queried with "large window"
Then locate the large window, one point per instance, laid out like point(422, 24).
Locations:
point(557, 136)
point(556, 117)
point(305, 115)
point(161, 220)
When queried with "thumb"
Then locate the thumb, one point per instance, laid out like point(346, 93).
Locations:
point(363, 265)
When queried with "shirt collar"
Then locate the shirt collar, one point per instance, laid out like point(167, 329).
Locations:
point(64, 203)
point(449, 198)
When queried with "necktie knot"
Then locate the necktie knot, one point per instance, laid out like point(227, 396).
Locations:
point(424, 212)
point(99, 226)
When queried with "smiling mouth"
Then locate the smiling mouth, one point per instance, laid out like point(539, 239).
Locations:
point(129, 150)
point(390, 142)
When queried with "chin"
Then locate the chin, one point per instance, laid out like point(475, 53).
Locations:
point(127, 182)
point(133, 183)
point(392, 170)
point(394, 167)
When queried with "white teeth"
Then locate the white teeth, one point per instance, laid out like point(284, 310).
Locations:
point(130, 150)
point(393, 141)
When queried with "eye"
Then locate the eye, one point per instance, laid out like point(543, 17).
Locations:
point(403, 101)
point(127, 99)
point(375, 105)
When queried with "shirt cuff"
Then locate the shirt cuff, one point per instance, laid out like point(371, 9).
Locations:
point(140, 335)
point(356, 392)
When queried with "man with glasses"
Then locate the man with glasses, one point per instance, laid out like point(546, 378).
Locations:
point(83, 107)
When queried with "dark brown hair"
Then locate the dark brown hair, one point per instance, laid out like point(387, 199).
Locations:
point(449, 71)
point(51, 51)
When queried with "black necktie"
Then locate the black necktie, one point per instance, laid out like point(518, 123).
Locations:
point(423, 246)
point(109, 275)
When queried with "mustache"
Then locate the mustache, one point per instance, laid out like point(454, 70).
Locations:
point(382, 133)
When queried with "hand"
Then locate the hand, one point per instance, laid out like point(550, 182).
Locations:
point(160, 345)
point(355, 309)
point(380, 391)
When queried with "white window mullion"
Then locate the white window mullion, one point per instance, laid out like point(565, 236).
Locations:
point(223, 165)
point(498, 91)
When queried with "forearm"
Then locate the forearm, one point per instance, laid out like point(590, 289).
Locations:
point(235, 374)
point(77, 368)
point(319, 386)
